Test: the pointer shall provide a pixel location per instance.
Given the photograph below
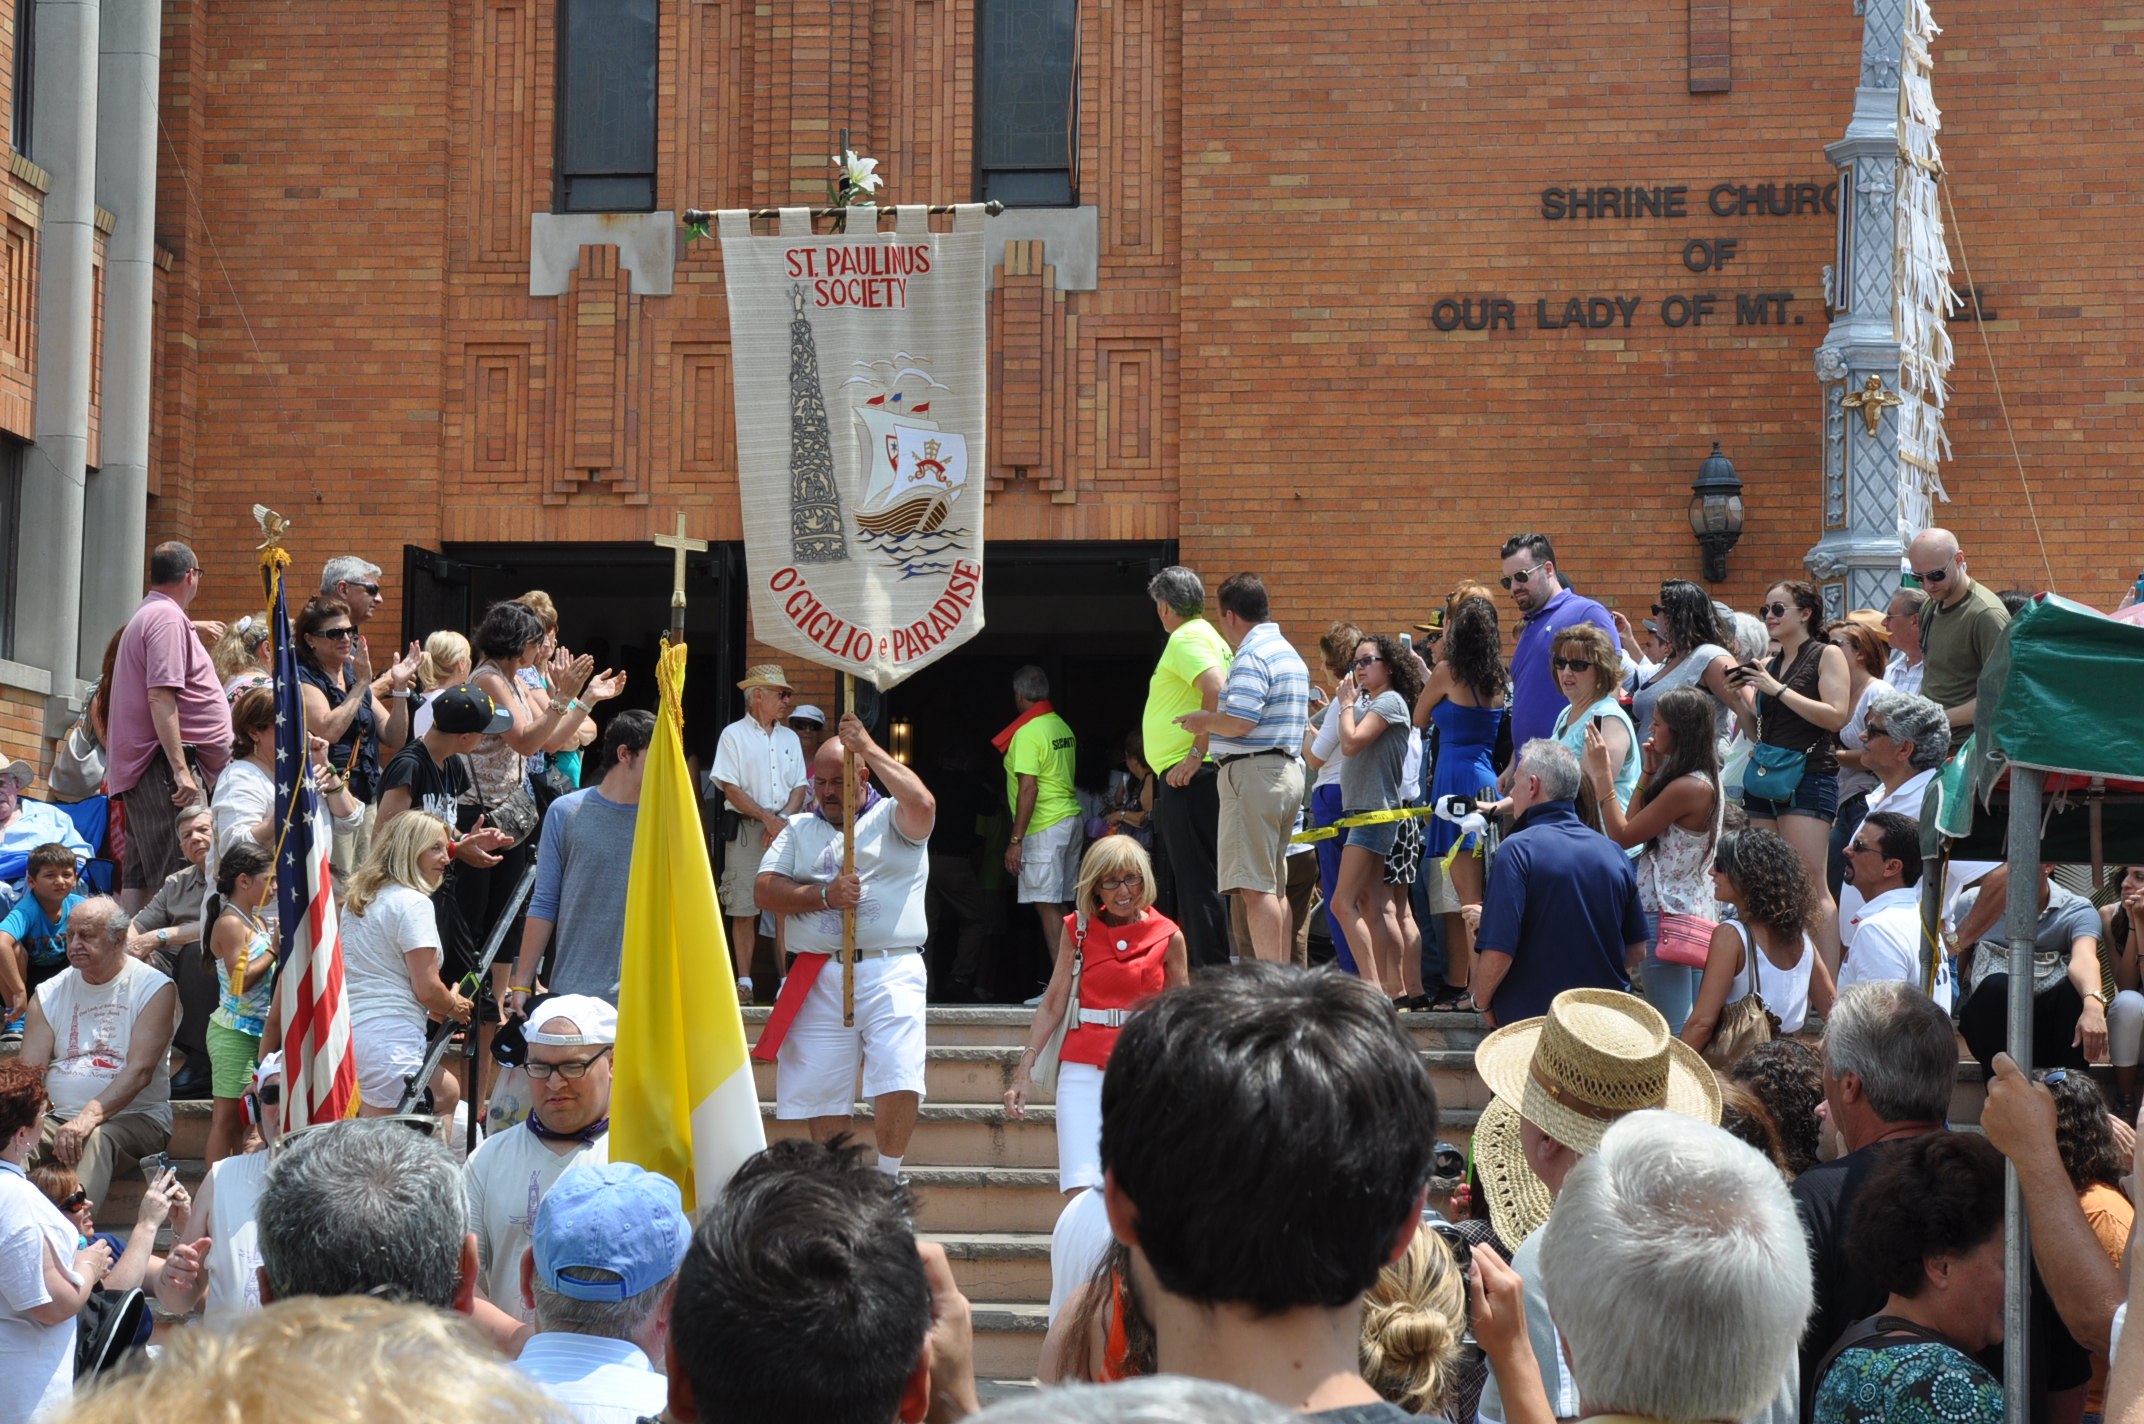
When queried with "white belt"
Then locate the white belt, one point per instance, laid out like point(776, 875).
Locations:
point(1107, 1018)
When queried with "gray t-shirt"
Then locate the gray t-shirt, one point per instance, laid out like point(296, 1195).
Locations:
point(2067, 916)
point(583, 863)
point(1690, 672)
point(1370, 778)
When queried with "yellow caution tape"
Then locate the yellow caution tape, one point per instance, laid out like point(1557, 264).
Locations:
point(1361, 818)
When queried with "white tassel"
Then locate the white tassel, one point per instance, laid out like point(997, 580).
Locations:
point(1923, 297)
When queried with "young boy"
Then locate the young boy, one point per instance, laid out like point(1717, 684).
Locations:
point(33, 937)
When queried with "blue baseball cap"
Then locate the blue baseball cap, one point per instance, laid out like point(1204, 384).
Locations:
point(615, 1217)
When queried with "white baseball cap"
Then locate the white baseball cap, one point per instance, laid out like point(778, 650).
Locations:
point(597, 1020)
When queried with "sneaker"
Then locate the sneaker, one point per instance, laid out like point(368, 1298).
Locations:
point(1034, 1003)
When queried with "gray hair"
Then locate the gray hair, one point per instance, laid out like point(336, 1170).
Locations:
point(1913, 598)
point(116, 920)
point(1032, 683)
point(1158, 1399)
point(1751, 639)
point(1676, 1230)
point(1899, 1043)
point(1180, 589)
point(197, 809)
point(363, 1207)
point(1910, 718)
point(346, 568)
point(611, 1319)
point(1554, 763)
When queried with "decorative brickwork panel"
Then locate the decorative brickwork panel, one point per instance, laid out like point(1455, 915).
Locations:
point(498, 404)
point(593, 328)
point(1135, 127)
point(1127, 433)
point(704, 443)
point(1711, 46)
point(506, 156)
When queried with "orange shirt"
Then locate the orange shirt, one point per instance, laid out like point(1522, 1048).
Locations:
point(2111, 1215)
point(1120, 965)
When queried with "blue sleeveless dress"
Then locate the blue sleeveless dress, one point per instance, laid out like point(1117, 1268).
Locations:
point(1466, 761)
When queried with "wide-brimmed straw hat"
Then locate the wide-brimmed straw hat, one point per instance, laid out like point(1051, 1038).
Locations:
point(1596, 1056)
point(765, 675)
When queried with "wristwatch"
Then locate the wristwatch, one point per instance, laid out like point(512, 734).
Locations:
point(163, 939)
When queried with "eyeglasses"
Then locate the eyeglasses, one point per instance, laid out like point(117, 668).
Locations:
point(1872, 730)
point(1365, 662)
point(1571, 664)
point(1773, 610)
point(571, 1070)
point(1122, 882)
point(2054, 1075)
point(1855, 847)
point(1932, 576)
point(80, 1198)
point(1522, 576)
point(336, 634)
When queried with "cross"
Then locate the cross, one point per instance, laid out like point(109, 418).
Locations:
point(679, 545)
point(1870, 400)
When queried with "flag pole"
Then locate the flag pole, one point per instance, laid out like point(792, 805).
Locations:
point(848, 860)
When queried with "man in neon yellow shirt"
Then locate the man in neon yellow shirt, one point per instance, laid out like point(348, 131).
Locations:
point(1187, 806)
point(1044, 851)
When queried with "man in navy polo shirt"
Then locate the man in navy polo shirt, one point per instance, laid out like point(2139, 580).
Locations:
point(1546, 607)
point(1561, 911)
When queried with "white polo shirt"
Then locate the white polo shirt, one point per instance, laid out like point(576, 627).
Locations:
point(1886, 944)
point(765, 763)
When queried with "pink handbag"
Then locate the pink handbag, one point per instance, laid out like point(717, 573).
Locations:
point(1685, 939)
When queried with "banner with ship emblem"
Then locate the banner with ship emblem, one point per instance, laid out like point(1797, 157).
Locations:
point(860, 384)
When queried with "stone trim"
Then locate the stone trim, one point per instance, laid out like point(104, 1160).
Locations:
point(25, 678)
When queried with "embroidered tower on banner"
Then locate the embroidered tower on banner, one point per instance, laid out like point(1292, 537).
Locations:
point(1885, 362)
point(815, 532)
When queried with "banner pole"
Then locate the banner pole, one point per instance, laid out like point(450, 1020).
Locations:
point(848, 860)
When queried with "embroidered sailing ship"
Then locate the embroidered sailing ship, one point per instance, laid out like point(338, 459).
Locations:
point(917, 472)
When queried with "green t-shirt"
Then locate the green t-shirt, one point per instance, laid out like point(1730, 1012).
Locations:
point(1195, 646)
point(1957, 643)
point(1042, 748)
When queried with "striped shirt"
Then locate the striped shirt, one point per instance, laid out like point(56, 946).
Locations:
point(1268, 685)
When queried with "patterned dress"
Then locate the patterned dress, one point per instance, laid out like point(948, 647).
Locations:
point(1908, 1382)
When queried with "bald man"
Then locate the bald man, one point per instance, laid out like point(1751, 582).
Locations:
point(1960, 624)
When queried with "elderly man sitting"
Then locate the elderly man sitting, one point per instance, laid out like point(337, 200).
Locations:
point(167, 934)
point(26, 825)
point(102, 1032)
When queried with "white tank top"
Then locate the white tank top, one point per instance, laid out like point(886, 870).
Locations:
point(1785, 991)
point(234, 1257)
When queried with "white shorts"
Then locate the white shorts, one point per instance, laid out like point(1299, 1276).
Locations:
point(385, 1054)
point(1079, 1126)
point(1049, 864)
point(815, 1071)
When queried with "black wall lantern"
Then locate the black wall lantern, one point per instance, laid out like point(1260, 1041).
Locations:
point(1716, 511)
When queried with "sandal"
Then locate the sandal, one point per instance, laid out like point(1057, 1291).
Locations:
point(1452, 999)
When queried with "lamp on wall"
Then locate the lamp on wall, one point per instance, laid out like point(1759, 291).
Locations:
point(901, 740)
point(1716, 511)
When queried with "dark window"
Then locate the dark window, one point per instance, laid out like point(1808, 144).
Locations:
point(10, 527)
point(1027, 115)
point(607, 52)
point(25, 60)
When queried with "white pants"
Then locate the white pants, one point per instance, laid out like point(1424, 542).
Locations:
point(1079, 1126)
point(2125, 1029)
point(815, 1071)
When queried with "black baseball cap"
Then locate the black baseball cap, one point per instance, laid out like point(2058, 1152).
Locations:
point(468, 708)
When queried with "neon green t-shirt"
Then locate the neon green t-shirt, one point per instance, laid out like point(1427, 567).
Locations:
point(1195, 646)
point(1042, 748)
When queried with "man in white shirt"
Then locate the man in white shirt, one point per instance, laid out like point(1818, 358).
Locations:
point(760, 770)
point(596, 1279)
point(1883, 862)
point(570, 1038)
point(1902, 624)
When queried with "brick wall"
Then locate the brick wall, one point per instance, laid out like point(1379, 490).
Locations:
point(1285, 191)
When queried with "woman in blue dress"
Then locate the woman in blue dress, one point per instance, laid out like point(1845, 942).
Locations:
point(1465, 698)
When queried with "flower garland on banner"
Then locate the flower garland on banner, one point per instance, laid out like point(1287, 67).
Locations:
point(854, 182)
point(1922, 299)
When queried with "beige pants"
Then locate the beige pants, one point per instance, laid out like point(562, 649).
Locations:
point(129, 1137)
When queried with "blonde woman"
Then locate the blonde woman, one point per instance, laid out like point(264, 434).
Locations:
point(444, 663)
point(1128, 951)
point(1412, 1322)
point(391, 958)
point(242, 655)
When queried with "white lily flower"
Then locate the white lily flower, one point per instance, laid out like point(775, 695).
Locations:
point(856, 173)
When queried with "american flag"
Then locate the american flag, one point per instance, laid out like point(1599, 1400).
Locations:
point(319, 1075)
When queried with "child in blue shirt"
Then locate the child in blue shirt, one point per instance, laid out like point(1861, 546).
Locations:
point(33, 937)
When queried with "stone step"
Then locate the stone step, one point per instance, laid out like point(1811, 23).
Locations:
point(998, 1265)
point(996, 1026)
point(957, 1134)
point(985, 1198)
point(1008, 1337)
point(122, 1200)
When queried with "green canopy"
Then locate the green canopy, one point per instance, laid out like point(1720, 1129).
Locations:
point(2063, 693)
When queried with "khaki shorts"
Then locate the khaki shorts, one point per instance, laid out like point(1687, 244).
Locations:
point(1260, 797)
point(740, 868)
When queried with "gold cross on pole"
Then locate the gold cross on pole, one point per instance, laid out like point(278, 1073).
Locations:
point(680, 546)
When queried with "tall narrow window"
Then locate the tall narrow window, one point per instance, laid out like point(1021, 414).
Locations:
point(10, 527)
point(607, 53)
point(1027, 115)
point(25, 65)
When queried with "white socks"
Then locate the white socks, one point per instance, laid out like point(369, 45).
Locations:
point(891, 1166)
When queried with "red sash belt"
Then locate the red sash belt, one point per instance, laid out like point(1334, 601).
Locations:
point(803, 973)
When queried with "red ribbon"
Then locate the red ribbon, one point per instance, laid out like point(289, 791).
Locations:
point(1003, 740)
point(795, 989)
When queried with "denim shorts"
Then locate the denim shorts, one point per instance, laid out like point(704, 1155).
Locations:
point(1376, 838)
point(1816, 796)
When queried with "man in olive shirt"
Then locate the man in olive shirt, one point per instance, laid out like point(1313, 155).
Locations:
point(1960, 625)
point(1187, 804)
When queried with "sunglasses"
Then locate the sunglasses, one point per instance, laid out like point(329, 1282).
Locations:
point(1571, 664)
point(371, 588)
point(1871, 730)
point(570, 1070)
point(1773, 610)
point(1658, 610)
point(79, 1199)
point(1122, 882)
point(1522, 576)
point(269, 1095)
point(338, 635)
point(1365, 662)
point(1857, 848)
point(1932, 576)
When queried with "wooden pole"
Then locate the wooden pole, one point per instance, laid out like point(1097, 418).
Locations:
point(848, 861)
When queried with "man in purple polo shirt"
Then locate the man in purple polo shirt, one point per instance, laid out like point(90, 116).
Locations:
point(1546, 607)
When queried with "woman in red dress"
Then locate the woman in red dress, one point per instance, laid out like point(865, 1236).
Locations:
point(1127, 951)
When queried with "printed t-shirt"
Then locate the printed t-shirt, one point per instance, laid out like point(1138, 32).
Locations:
point(1045, 749)
point(505, 1180)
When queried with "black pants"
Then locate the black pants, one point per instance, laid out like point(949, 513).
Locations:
point(1984, 1023)
point(1187, 829)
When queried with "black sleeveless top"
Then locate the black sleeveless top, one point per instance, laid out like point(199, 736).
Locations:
point(362, 734)
point(1781, 726)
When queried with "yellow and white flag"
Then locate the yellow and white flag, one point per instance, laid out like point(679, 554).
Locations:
point(682, 1100)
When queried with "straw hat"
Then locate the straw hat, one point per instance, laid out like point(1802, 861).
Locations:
point(765, 675)
point(1518, 1201)
point(1597, 1055)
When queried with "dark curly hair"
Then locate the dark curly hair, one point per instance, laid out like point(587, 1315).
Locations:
point(1398, 666)
point(1688, 620)
point(2083, 1133)
point(1745, 1115)
point(1788, 1079)
point(1940, 1194)
point(1474, 645)
point(311, 619)
point(22, 1096)
point(1768, 875)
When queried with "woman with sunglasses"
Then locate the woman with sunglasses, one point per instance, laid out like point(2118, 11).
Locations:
point(1800, 700)
point(243, 806)
point(359, 714)
point(1126, 952)
point(1322, 754)
point(1588, 671)
point(1766, 949)
point(1466, 699)
point(391, 960)
point(1696, 644)
point(1375, 709)
point(2122, 931)
point(37, 1348)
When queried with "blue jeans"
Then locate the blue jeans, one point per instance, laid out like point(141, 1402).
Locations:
point(1670, 988)
point(1324, 810)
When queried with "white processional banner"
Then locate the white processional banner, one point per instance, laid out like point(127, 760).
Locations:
point(860, 384)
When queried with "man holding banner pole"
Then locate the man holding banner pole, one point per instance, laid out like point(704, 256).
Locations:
point(802, 877)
